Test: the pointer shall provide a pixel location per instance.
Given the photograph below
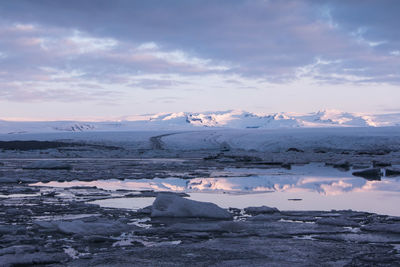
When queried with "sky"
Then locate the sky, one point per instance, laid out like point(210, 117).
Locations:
point(81, 59)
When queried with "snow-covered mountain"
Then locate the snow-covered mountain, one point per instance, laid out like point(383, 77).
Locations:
point(224, 119)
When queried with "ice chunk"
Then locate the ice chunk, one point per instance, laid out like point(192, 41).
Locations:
point(98, 227)
point(170, 205)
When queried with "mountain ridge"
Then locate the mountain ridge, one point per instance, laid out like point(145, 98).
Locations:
point(235, 119)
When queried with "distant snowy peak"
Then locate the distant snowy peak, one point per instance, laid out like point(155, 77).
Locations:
point(336, 118)
point(235, 119)
point(229, 119)
point(243, 119)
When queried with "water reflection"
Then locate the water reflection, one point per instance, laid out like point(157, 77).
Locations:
point(318, 187)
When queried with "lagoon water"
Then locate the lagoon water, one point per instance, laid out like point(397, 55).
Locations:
point(304, 187)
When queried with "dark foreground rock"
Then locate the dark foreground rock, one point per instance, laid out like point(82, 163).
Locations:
point(54, 229)
point(370, 174)
point(34, 145)
point(47, 226)
point(48, 165)
point(392, 172)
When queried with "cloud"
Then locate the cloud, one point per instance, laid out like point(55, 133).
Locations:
point(151, 84)
point(36, 92)
point(53, 44)
point(165, 100)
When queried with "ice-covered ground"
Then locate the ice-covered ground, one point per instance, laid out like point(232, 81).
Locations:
point(233, 119)
point(316, 143)
point(87, 198)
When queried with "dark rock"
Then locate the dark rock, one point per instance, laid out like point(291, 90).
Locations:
point(49, 194)
point(343, 165)
point(213, 157)
point(32, 259)
point(374, 152)
point(370, 174)
point(34, 145)
point(360, 166)
point(146, 210)
point(48, 165)
point(293, 149)
point(98, 239)
point(243, 158)
point(287, 166)
point(83, 187)
point(337, 222)
point(18, 249)
point(382, 227)
point(392, 172)
point(266, 217)
point(271, 163)
point(225, 146)
point(260, 210)
point(234, 210)
point(381, 164)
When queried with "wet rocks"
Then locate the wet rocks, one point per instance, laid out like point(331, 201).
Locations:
point(260, 210)
point(109, 239)
point(370, 174)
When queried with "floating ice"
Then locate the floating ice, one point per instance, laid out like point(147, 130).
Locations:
point(171, 205)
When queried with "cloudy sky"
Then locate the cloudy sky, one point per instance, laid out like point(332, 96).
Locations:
point(81, 59)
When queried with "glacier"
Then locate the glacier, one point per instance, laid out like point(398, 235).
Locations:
point(232, 119)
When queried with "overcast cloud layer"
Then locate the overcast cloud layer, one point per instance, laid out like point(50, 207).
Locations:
point(104, 58)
